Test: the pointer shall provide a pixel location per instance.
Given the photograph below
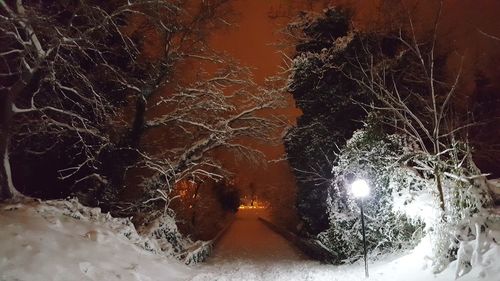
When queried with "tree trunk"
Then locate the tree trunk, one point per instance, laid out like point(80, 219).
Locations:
point(124, 154)
point(127, 154)
point(439, 185)
point(135, 135)
point(28, 80)
point(6, 184)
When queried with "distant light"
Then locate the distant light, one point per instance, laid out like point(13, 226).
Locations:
point(246, 207)
point(256, 205)
point(360, 188)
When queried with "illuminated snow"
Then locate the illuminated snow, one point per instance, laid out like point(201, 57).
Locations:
point(40, 242)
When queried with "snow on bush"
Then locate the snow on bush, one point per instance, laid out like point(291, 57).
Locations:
point(72, 208)
point(465, 217)
point(370, 156)
point(63, 240)
point(172, 243)
point(160, 225)
point(161, 237)
point(404, 205)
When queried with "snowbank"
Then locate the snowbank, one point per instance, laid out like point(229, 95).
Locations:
point(62, 240)
point(416, 267)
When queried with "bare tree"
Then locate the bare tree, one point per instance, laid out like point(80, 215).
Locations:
point(221, 112)
point(416, 100)
point(67, 68)
point(44, 77)
point(85, 72)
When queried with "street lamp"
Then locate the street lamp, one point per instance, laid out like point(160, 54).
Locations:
point(360, 189)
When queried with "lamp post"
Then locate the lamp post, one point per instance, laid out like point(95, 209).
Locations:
point(360, 189)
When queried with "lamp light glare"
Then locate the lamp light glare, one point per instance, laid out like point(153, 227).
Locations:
point(360, 188)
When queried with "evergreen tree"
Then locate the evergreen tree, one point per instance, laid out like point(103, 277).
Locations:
point(325, 95)
point(382, 160)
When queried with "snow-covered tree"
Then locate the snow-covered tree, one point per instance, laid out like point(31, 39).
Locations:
point(87, 83)
point(95, 91)
point(64, 72)
point(325, 96)
point(417, 96)
point(421, 147)
point(382, 161)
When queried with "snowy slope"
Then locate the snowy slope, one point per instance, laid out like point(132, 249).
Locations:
point(41, 241)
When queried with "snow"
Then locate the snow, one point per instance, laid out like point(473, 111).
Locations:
point(242, 254)
point(40, 241)
point(52, 241)
point(494, 187)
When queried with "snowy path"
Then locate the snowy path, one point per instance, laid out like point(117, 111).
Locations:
point(249, 251)
point(249, 239)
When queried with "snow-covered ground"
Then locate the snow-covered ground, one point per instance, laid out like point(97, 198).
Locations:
point(250, 251)
point(41, 242)
point(47, 241)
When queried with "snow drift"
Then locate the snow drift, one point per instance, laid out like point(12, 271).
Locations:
point(63, 240)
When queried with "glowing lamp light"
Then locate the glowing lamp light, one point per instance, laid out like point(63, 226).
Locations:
point(360, 188)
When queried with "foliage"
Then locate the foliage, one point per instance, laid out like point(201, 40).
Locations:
point(466, 210)
point(379, 159)
point(403, 204)
point(414, 150)
point(325, 96)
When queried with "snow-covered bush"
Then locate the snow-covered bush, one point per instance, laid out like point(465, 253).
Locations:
point(161, 237)
point(63, 240)
point(122, 226)
point(378, 159)
point(172, 243)
point(404, 202)
point(465, 215)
